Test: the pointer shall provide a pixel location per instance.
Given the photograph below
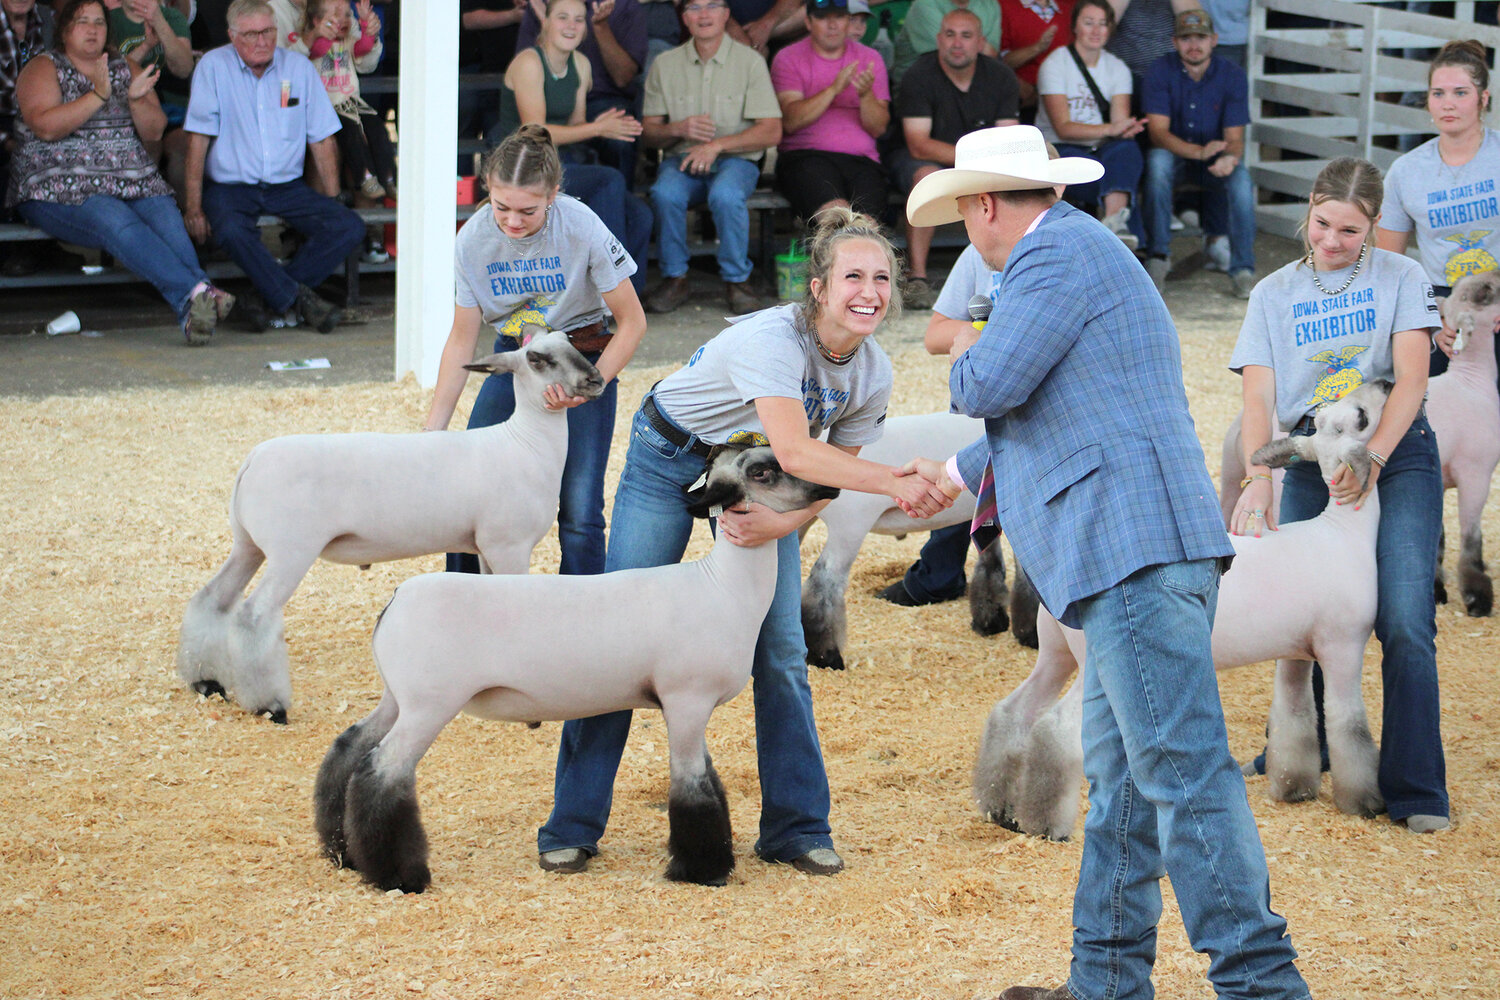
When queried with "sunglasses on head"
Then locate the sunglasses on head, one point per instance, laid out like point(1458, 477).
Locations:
point(828, 6)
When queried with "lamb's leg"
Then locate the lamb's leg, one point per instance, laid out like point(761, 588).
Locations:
point(383, 835)
point(700, 842)
point(825, 623)
point(1473, 582)
point(203, 642)
point(1353, 757)
point(1048, 803)
point(988, 593)
point(1439, 578)
point(1023, 609)
point(333, 776)
point(1294, 764)
point(1009, 762)
point(259, 676)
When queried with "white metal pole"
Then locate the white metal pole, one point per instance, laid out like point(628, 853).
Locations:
point(427, 118)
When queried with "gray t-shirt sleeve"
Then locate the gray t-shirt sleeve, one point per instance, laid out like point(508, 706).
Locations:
point(970, 276)
point(1393, 213)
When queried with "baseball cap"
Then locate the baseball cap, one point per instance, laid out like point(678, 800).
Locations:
point(1193, 22)
point(858, 7)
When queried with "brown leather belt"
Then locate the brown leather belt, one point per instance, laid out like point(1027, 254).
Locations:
point(591, 338)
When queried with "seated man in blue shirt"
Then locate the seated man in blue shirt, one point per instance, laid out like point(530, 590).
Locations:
point(1197, 107)
point(254, 113)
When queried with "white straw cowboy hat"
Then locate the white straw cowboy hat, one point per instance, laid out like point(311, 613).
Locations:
point(1005, 158)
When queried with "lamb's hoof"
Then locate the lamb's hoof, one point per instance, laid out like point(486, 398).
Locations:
point(990, 622)
point(276, 715)
point(568, 860)
point(830, 659)
point(209, 688)
point(1439, 593)
point(1004, 819)
point(414, 881)
point(1027, 636)
point(1478, 605)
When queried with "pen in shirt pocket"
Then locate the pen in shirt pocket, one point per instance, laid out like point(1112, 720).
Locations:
point(286, 93)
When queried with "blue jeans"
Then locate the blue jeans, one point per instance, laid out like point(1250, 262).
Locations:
point(330, 233)
point(603, 190)
point(143, 234)
point(650, 526)
point(1166, 796)
point(938, 573)
point(1228, 206)
point(725, 189)
point(1413, 775)
point(580, 508)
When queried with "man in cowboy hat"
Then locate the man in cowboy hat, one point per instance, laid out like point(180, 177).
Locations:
point(1100, 482)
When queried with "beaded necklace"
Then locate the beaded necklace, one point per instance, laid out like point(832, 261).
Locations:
point(1364, 250)
point(838, 359)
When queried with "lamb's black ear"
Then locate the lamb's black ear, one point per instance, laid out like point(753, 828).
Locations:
point(494, 364)
point(1284, 451)
point(709, 495)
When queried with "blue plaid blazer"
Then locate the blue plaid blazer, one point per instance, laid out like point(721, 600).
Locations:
point(1078, 378)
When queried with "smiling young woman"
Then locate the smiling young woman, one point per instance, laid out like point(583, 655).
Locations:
point(788, 374)
point(1344, 314)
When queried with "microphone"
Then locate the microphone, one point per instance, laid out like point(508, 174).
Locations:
point(979, 311)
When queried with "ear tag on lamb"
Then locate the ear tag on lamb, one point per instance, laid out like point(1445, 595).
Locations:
point(700, 482)
point(717, 510)
point(750, 439)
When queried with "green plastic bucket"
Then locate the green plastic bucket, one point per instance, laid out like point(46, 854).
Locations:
point(791, 274)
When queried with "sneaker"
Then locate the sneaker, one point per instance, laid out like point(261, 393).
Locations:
point(371, 188)
point(1158, 267)
point(1117, 223)
point(375, 252)
point(1217, 249)
point(568, 860)
point(1189, 218)
point(202, 317)
point(1420, 823)
point(1177, 224)
point(819, 861)
point(223, 302)
point(316, 311)
point(1243, 281)
point(918, 293)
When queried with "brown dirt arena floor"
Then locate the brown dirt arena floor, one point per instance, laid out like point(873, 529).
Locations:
point(160, 845)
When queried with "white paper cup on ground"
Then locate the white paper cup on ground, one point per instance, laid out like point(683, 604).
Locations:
point(66, 323)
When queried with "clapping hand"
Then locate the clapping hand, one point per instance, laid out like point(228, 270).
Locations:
point(615, 123)
point(698, 128)
point(602, 10)
point(369, 21)
point(144, 82)
point(864, 80)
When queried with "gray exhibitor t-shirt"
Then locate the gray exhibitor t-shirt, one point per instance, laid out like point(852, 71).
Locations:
point(767, 354)
point(1322, 346)
point(554, 278)
point(1455, 211)
point(970, 276)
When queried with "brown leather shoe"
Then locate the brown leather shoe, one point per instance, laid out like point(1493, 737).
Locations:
point(740, 299)
point(1036, 993)
point(670, 294)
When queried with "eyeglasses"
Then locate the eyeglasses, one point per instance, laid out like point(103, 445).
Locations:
point(698, 8)
point(264, 35)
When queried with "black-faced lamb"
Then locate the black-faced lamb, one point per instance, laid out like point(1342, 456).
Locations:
point(1463, 407)
point(853, 516)
point(1278, 601)
point(367, 498)
point(680, 638)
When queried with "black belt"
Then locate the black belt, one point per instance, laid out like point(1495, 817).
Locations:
point(676, 435)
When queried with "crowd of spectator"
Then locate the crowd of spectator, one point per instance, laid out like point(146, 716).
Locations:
point(723, 95)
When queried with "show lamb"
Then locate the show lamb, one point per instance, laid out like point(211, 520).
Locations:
point(1463, 407)
point(680, 638)
point(1278, 601)
point(853, 516)
point(367, 498)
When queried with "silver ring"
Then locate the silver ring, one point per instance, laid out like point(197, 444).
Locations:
point(1256, 513)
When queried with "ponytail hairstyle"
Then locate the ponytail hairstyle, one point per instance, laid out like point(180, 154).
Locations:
point(526, 159)
point(1347, 179)
point(1466, 54)
point(834, 226)
point(1103, 5)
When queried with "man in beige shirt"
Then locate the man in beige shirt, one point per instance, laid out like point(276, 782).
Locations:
point(709, 103)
